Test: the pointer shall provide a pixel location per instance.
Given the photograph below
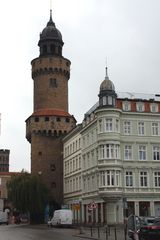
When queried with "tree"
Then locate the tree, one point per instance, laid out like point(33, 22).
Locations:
point(27, 193)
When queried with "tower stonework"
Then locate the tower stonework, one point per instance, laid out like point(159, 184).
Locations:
point(50, 119)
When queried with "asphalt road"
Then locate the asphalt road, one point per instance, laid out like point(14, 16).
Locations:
point(36, 232)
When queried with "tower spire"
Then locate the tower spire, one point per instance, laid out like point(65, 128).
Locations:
point(50, 14)
point(51, 23)
point(50, 10)
point(106, 77)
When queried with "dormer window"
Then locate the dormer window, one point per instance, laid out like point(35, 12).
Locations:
point(140, 107)
point(126, 106)
point(154, 107)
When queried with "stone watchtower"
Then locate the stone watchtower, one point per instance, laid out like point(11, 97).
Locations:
point(50, 120)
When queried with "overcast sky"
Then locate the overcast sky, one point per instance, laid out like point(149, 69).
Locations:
point(126, 32)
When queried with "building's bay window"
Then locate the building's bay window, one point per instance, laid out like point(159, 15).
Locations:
point(110, 178)
point(109, 151)
point(108, 125)
point(100, 126)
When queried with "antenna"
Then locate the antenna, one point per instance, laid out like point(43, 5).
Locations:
point(50, 4)
point(51, 9)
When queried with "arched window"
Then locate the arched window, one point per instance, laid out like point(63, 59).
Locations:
point(44, 49)
point(52, 48)
point(59, 50)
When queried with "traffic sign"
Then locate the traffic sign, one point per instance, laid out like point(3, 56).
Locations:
point(92, 206)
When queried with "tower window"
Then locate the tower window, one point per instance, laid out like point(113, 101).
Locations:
point(53, 82)
point(53, 167)
point(44, 49)
point(58, 119)
point(67, 120)
point(59, 50)
point(53, 185)
point(46, 119)
point(67, 64)
point(52, 47)
point(36, 119)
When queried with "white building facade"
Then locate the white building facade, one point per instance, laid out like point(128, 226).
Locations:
point(119, 170)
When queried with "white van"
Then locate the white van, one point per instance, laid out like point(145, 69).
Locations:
point(3, 217)
point(62, 217)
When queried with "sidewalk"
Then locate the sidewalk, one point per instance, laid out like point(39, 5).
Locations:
point(101, 233)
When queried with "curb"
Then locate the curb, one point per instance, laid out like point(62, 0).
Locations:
point(87, 237)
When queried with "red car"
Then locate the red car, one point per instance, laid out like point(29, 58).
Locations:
point(150, 232)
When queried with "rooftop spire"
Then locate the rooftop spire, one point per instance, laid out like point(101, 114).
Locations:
point(50, 15)
point(106, 77)
point(50, 23)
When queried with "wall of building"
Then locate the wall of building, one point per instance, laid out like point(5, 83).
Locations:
point(120, 164)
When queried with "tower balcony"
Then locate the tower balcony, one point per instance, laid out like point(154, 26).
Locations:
point(54, 123)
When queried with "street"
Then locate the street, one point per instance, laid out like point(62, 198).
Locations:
point(36, 232)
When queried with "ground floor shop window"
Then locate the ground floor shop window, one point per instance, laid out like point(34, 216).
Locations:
point(144, 208)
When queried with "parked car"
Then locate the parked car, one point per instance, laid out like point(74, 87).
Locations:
point(145, 221)
point(136, 225)
point(150, 231)
point(3, 217)
point(62, 217)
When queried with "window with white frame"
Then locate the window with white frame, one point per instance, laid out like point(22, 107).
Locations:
point(80, 162)
point(73, 184)
point(142, 152)
point(156, 152)
point(155, 128)
point(110, 100)
point(110, 178)
point(93, 182)
point(84, 161)
point(100, 125)
point(117, 178)
point(109, 125)
point(102, 153)
point(140, 106)
point(129, 179)
point(141, 129)
point(154, 107)
point(102, 178)
point(117, 125)
point(127, 127)
point(104, 100)
point(126, 106)
point(143, 179)
point(80, 182)
point(71, 165)
point(74, 166)
point(128, 152)
point(84, 184)
point(88, 160)
point(109, 151)
point(157, 179)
